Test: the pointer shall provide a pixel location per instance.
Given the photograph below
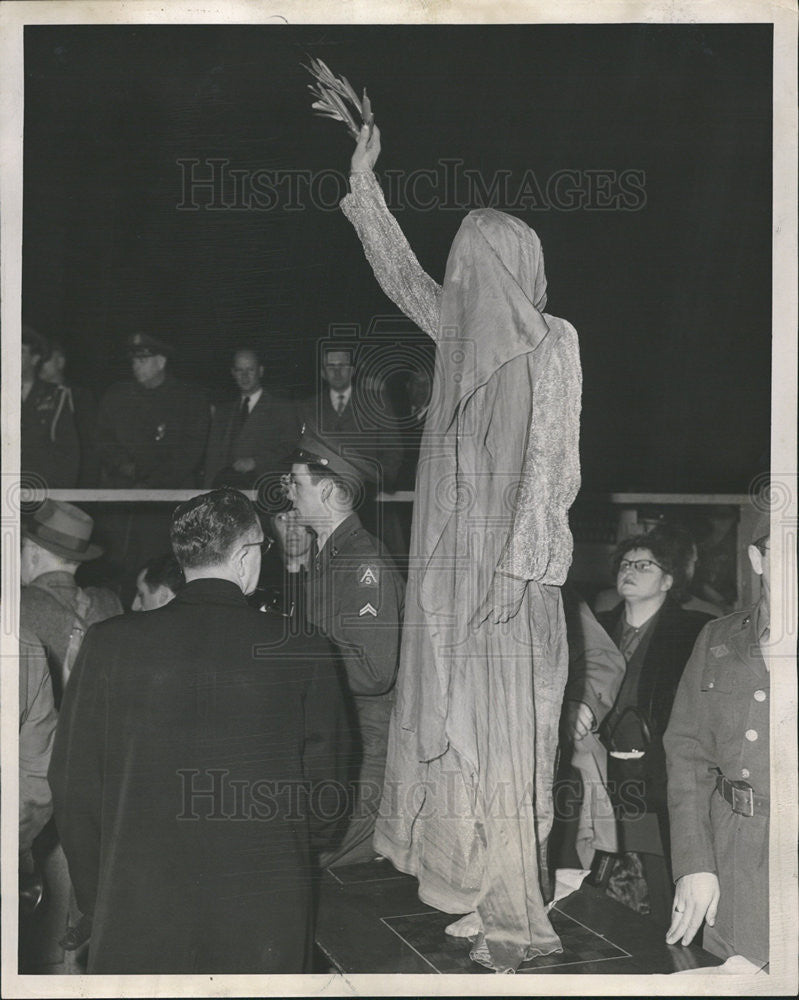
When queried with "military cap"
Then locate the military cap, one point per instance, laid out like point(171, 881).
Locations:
point(312, 449)
point(142, 345)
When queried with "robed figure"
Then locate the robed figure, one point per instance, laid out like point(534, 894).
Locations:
point(467, 805)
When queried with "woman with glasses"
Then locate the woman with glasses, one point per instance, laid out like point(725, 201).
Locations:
point(655, 635)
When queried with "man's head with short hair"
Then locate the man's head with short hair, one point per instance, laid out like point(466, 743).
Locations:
point(157, 583)
point(53, 368)
point(218, 535)
point(247, 371)
point(759, 553)
point(35, 350)
point(338, 367)
point(321, 496)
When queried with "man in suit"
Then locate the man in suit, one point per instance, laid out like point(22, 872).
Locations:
point(717, 756)
point(250, 434)
point(356, 419)
point(189, 740)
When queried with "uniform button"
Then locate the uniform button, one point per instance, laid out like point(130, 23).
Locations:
point(744, 772)
point(711, 684)
point(760, 695)
point(751, 735)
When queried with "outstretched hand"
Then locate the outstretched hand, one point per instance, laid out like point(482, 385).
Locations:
point(502, 602)
point(367, 149)
point(696, 898)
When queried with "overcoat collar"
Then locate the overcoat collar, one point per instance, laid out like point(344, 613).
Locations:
point(211, 590)
point(57, 581)
point(746, 642)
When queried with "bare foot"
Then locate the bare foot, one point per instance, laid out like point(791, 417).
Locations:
point(467, 927)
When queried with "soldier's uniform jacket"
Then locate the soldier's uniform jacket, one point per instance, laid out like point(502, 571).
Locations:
point(49, 438)
point(720, 722)
point(162, 431)
point(355, 596)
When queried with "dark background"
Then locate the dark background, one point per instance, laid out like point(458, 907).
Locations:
point(672, 301)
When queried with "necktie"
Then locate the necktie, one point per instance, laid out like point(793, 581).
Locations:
point(340, 403)
point(245, 409)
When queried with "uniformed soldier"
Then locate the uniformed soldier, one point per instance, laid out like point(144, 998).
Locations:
point(717, 751)
point(152, 430)
point(355, 596)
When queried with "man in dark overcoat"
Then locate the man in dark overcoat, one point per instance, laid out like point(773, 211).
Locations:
point(717, 756)
point(194, 767)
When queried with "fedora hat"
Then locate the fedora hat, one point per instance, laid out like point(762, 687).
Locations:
point(62, 529)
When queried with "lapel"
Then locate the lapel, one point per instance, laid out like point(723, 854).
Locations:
point(745, 644)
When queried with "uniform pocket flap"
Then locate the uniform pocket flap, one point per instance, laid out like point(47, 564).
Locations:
point(715, 678)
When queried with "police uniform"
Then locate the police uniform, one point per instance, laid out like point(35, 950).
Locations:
point(355, 597)
point(717, 752)
point(161, 432)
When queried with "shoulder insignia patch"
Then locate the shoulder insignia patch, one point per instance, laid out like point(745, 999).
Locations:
point(368, 576)
point(719, 650)
point(368, 609)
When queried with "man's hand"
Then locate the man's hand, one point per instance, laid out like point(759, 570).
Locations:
point(578, 720)
point(367, 150)
point(244, 464)
point(695, 899)
point(503, 601)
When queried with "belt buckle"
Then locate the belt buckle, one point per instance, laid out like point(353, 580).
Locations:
point(743, 799)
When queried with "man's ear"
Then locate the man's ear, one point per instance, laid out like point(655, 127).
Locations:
point(668, 582)
point(756, 559)
point(327, 489)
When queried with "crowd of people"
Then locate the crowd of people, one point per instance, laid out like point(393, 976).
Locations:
point(286, 700)
point(155, 431)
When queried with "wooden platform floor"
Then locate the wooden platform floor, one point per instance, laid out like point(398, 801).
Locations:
point(371, 921)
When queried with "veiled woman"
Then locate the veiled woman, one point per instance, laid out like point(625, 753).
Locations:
point(467, 800)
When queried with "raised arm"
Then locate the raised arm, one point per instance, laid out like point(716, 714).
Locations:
point(397, 270)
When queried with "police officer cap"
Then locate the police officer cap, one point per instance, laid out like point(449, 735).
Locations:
point(142, 345)
point(312, 449)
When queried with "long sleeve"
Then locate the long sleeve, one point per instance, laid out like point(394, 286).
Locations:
point(397, 270)
point(540, 543)
point(110, 450)
point(75, 773)
point(688, 742)
point(37, 724)
point(326, 749)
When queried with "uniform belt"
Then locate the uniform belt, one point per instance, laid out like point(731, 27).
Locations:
point(741, 797)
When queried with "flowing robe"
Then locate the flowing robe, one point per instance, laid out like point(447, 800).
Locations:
point(467, 804)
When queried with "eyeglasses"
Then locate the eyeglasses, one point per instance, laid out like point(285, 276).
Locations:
point(639, 565)
point(265, 545)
